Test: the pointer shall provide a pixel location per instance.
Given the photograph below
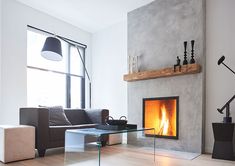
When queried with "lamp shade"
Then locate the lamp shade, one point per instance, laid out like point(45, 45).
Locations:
point(52, 49)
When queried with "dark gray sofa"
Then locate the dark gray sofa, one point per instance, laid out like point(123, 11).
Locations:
point(53, 136)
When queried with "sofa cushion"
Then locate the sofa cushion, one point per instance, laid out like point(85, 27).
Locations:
point(77, 116)
point(57, 116)
point(58, 132)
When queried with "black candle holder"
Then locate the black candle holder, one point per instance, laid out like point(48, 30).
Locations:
point(185, 62)
point(192, 60)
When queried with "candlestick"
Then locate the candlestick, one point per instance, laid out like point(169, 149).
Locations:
point(185, 62)
point(192, 60)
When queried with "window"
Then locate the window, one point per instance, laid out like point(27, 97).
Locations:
point(54, 82)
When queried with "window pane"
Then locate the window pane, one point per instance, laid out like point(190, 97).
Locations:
point(49, 88)
point(76, 97)
point(45, 88)
point(35, 42)
point(76, 66)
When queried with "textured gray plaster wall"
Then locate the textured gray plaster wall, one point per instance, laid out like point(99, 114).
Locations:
point(157, 32)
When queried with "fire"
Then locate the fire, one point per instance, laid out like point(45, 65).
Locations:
point(164, 122)
point(161, 115)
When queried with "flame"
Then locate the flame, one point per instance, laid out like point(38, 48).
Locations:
point(164, 122)
point(161, 115)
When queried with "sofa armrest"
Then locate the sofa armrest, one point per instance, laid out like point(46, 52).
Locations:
point(39, 118)
point(97, 115)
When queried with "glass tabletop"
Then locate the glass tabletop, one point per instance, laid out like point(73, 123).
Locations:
point(99, 132)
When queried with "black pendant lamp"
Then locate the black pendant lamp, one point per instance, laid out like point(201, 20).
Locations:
point(52, 49)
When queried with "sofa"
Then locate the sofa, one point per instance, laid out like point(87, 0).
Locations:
point(48, 136)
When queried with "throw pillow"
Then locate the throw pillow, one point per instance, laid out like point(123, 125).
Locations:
point(57, 116)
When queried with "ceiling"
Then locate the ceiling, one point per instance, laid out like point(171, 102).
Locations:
point(89, 15)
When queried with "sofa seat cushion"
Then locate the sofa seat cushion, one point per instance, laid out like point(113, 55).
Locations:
point(58, 132)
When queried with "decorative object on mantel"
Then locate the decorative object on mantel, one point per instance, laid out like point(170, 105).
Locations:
point(166, 72)
point(129, 64)
point(177, 64)
point(192, 60)
point(133, 63)
point(185, 62)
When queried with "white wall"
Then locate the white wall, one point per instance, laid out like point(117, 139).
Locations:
point(0, 50)
point(109, 63)
point(220, 82)
point(16, 17)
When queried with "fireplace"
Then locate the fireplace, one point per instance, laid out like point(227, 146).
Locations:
point(162, 114)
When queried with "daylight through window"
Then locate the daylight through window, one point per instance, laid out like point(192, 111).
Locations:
point(52, 83)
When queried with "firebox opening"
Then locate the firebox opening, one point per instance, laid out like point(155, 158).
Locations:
point(161, 114)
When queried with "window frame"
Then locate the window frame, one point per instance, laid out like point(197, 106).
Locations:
point(67, 73)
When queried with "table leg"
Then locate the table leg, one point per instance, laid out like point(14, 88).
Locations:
point(99, 149)
point(74, 142)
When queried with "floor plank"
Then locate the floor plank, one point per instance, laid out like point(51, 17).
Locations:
point(116, 157)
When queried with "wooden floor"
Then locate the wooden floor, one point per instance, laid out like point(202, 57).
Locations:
point(116, 157)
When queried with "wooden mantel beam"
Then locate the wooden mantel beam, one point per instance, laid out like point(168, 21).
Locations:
point(166, 72)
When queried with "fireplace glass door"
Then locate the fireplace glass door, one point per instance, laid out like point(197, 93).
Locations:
point(161, 114)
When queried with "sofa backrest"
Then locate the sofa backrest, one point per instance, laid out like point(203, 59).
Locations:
point(77, 116)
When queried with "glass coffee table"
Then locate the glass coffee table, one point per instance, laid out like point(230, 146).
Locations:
point(90, 139)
